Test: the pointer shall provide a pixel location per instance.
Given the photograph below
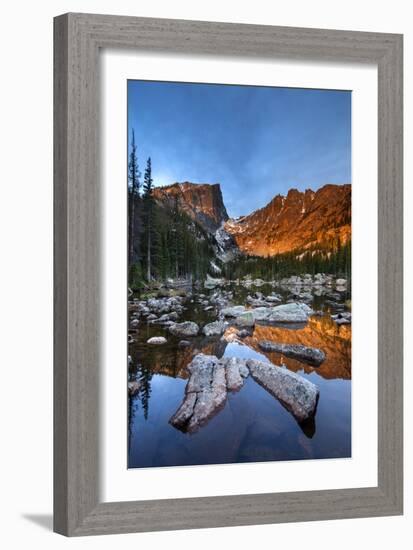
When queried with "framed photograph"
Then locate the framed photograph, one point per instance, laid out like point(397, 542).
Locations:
point(228, 274)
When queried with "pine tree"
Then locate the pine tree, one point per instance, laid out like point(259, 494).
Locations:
point(133, 194)
point(175, 234)
point(148, 208)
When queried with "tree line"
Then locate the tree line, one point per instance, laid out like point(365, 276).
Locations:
point(334, 259)
point(163, 241)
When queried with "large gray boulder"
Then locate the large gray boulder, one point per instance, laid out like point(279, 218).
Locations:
point(312, 356)
point(187, 328)
point(294, 312)
point(296, 394)
point(211, 379)
point(205, 393)
point(214, 329)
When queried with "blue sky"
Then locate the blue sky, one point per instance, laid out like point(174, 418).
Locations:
point(256, 142)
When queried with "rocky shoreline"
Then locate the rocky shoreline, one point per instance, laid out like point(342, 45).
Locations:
point(167, 307)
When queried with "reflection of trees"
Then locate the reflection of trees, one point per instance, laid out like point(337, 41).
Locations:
point(132, 402)
point(130, 420)
point(170, 360)
point(145, 377)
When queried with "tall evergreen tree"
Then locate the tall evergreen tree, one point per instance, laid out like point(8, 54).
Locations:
point(148, 207)
point(175, 235)
point(133, 194)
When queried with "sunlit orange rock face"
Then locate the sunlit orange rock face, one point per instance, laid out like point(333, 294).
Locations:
point(319, 332)
point(201, 201)
point(300, 220)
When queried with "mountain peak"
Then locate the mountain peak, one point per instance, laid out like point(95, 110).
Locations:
point(201, 201)
point(301, 220)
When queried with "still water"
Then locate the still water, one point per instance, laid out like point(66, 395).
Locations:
point(253, 426)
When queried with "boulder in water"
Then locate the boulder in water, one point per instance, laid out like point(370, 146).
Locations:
point(214, 329)
point(312, 356)
point(187, 328)
point(157, 340)
point(297, 394)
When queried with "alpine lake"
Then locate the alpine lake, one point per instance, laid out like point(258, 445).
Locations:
point(252, 425)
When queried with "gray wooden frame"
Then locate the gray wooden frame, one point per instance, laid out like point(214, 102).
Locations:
point(78, 39)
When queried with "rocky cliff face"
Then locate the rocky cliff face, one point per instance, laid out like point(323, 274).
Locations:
point(202, 202)
point(301, 220)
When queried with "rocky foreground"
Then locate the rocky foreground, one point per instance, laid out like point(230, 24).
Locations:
point(211, 379)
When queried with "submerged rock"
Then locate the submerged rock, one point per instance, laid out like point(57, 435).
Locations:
point(156, 340)
point(312, 356)
point(214, 329)
point(296, 394)
point(187, 328)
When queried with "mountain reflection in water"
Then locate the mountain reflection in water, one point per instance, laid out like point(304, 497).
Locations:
point(252, 426)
